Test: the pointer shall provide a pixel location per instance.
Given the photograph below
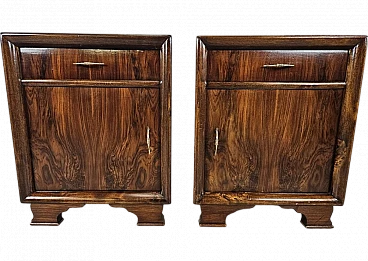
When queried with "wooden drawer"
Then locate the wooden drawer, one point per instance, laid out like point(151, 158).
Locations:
point(277, 65)
point(90, 64)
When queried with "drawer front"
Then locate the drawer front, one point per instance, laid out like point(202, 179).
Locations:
point(277, 65)
point(90, 64)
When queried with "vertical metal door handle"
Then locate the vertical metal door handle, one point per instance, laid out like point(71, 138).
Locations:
point(148, 140)
point(216, 140)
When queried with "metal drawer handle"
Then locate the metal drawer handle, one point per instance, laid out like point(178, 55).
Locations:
point(148, 141)
point(278, 65)
point(216, 140)
point(89, 64)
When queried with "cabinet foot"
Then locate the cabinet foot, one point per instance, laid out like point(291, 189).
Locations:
point(48, 214)
point(314, 216)
point(215, 215)
point(146, 215)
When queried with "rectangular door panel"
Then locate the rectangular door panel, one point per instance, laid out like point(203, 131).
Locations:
point(271, 140)
point(94, 138)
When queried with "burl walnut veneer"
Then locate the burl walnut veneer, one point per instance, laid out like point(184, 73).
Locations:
point(91, 121)
point(275, 119)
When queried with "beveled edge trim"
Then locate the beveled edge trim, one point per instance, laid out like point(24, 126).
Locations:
point(282, 41)
point(96, 197)
point(276, 85)
point(91, 83)
point(105, 41)
point(165, 119)
point(253, 198)
point(18, 118)
point(198, 152)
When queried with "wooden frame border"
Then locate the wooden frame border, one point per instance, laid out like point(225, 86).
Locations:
point(18, 120)
point(165, 94)
point(200, 121)
point(348, 117)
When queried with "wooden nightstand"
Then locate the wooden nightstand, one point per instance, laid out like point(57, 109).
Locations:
point(275, 119)
point(91, 121)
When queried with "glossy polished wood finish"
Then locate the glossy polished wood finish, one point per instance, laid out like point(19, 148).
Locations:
point(271, 140)
point(59, 63)
point(80, 132)
point(284, 134)
point(94, 138)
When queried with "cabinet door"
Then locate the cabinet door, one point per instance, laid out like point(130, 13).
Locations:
point(271, 140)
point(94, 138)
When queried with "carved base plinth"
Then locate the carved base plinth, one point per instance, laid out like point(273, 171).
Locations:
point(312, 216)
point(49, 214)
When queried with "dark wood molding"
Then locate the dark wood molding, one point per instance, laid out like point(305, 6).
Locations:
point(275, 85)
point(287, 41)
point(117, 41)
point(148, 215)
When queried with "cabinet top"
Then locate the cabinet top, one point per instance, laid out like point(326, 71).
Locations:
point(86, 40)
point(282, 41)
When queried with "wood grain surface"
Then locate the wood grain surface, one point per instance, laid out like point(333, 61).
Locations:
point(57, 63)
point(247, 65)
point(94, 138)
point(271, 140)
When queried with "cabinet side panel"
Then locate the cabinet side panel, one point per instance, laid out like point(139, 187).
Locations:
point(94, 138)
point(271, 140)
